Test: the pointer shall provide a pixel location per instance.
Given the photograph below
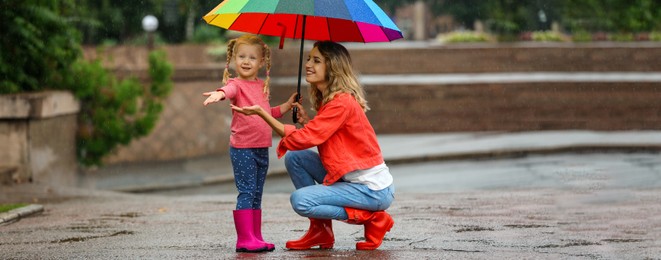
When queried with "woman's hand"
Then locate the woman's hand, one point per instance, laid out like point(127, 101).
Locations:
point(302, 116)
point(251, 110)
point(213, 97)
point(278, 127)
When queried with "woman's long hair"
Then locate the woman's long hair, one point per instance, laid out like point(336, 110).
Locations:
point(339, 74)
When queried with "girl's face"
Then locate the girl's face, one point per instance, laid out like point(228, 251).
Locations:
point(315, 70)
point(248, 60)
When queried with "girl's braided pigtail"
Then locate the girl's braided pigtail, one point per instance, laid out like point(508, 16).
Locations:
point(230, 52)
point(267, 57)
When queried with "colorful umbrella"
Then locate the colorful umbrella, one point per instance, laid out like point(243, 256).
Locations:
point(334, 20)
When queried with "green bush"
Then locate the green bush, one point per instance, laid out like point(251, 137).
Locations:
point(655, 36)
point(464, 37)
point(622, 37)
point(582, 36)
point(547, 36)
point(113, 112)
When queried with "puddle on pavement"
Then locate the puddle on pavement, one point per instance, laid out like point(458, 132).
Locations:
point(124, 215)
point(571, 243)
point(526, 226)
point(85, 238)
point(623, 240)
point(473, 229)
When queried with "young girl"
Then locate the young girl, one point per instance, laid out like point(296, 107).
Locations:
point(250, 137)
point(347, 179)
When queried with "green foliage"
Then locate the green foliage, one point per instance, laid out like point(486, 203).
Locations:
point(41, 50)
point(613, 15)
point(121, 21)
point(465, 37)
point(655, 36)
point(38, 45)
point(581, 36)
point(547, 36)
point(113, 112)
point(621, 37)
point(208, 34)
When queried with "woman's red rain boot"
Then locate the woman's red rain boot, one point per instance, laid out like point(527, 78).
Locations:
point(257, 228)
point(319, 234)
point(245, 239)
point(376, 223)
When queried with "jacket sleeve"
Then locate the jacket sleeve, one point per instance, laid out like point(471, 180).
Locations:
point(317, 131)
point(275, 112)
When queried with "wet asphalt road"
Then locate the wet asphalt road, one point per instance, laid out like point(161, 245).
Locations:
point(562, 206)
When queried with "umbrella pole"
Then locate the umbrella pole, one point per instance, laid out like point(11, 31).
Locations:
point(300, 67)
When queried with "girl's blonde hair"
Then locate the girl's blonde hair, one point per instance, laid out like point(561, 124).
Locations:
point(233, 44)
point(339, 75)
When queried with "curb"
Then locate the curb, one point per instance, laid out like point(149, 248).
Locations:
point(16, 214)
point(517, 153)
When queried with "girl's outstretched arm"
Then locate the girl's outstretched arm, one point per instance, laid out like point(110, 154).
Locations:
point(278, 127)
point(213, 97)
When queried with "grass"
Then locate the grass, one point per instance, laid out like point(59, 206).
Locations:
point(8, 207)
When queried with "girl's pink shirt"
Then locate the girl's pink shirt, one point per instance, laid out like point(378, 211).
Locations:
point(249, 131)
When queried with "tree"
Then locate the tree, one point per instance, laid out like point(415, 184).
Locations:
point(38, 44)
point(613, 15)
point(41, 50)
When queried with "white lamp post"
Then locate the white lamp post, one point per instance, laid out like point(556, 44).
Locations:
point(150, 24)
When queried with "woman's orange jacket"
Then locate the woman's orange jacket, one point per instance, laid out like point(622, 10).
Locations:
point(344, 138)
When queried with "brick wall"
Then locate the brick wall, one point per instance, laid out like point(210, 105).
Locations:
point(481, 58)
point(187, 129)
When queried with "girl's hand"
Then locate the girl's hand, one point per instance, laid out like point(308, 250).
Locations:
point(302, 116)
point(291, 101)
point(251, 110)
point(213, 97)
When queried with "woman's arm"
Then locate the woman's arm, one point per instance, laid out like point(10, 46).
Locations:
point(278, 127)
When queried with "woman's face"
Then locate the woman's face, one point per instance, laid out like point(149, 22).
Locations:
point(315, 70)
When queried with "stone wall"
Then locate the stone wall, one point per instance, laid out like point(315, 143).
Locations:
point(38, 138)
point(187, 129)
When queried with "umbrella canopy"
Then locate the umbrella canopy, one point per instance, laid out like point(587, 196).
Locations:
point(334, 20)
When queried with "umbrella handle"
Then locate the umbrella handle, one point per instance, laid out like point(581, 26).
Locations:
point(294, 113)
point(300, 67)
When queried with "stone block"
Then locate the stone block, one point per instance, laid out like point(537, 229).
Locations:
point(38, 136)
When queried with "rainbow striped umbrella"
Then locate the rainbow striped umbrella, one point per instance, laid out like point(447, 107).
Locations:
point(334, 20)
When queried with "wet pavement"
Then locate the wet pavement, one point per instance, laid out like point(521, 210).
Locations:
point(546, 195)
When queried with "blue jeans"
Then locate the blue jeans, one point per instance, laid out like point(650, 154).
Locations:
point(315, 200)
point(250, 166)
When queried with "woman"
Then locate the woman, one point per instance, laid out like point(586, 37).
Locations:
point(355, 185)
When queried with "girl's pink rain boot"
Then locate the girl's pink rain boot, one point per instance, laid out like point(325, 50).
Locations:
point(245, 239)
point(257, 228)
